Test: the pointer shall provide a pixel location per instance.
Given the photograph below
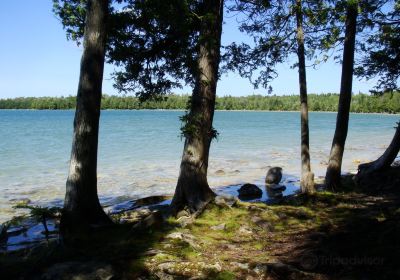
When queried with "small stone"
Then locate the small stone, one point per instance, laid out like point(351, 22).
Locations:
point(155, 219)
point(175, 235)
point(219, 227)
point(225, 200)
point(188, 238)
point(245, 230)
point(220, 172)
point(243, 266)
point(183, 213)
point(184, 221)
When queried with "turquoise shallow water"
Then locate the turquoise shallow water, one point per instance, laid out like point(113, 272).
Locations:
point(139, 151)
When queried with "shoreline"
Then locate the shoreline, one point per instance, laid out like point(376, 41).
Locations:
point(219, 110)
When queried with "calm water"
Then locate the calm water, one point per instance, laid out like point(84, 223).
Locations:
point(139, 152)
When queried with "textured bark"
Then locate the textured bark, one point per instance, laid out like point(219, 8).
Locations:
point(307, 177)
point(385, 160)
point(333, 173)
point(82, 208)
point(192, 190)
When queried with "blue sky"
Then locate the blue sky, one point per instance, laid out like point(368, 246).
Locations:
point(37, 60)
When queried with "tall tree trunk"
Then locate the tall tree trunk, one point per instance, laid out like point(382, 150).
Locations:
point(385, 160)
point(333, 173)
point(307, 177)
point(82, 208)
point(192, 190)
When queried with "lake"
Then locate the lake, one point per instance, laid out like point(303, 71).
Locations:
point(140, 151)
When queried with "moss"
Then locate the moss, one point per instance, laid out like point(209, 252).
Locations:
point(225, 275)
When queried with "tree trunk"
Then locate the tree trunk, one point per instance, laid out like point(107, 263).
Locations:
point(307, 177)
point(385, 160)
point(192, 190)
point(333, 173)
point(82, 208)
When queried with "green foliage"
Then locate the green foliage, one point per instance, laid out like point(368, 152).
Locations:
point(153, 51)
point(40, 212)
point(382, 50)
point(388, 102)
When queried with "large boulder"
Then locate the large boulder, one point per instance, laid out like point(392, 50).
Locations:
point(274, 175)
point(249, 191)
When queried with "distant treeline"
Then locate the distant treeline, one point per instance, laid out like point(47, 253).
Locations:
point(361, 103)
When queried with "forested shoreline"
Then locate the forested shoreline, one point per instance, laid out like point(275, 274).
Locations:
point(361, 103)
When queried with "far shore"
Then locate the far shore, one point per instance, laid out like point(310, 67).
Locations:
point(218, 110)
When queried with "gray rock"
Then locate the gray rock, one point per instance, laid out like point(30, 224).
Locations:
point(21, 201)
point(225, 200)
point(242, 266)
point(186, 237)
point(276, 187)
point(249, 191)
point(155, 219)
point(244, 230)
point(220, 172)
point(274, 175)
point(219, 227)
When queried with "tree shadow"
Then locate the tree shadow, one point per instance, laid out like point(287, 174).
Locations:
point(358, 239)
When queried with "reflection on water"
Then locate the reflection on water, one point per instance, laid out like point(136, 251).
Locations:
point(139, 151)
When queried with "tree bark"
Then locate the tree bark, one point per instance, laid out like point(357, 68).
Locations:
point(307, 177)
point(333, 173)
point(82, 208)
point(385, 160)
point(192, 190)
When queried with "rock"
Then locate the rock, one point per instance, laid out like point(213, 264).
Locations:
point(220, 172)
point(186, 270)
point(219, 227)
point(276, 187)
point(151, 200)
point(225, 200)
point(188, 238)
point(245, 230)
point(155, 219)
point(183, 213)
point(184, 221)
point(243, 266)
point(79, 270)
point(249, 191)
point(21, 201)
point(274, 175)
point(274, 194)
point(262, 223)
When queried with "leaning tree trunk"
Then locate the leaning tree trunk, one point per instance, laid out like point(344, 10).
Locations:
point(385, 160)
point(82, 208)
point(307, 177)
point(192, 191)
point(333, 173)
